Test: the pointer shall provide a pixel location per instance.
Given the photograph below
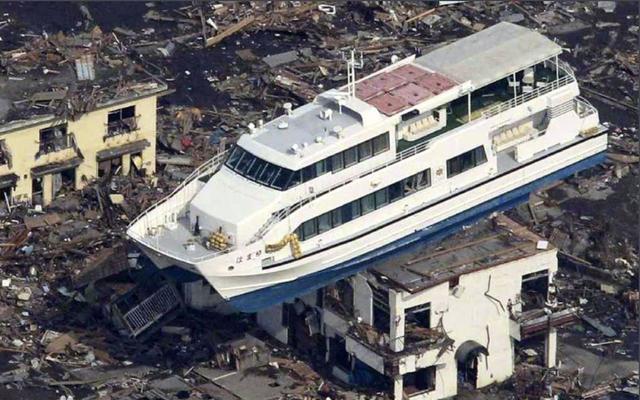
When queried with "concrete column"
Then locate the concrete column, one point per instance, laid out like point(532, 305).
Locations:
point(396, 321)
point(469, 107)
point(515, 93)
point(557, 68)
point(47, 189)
point(126, 164)
point(397, 388)
point(550, 348)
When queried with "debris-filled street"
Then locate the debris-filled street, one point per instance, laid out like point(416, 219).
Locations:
point(84, 316)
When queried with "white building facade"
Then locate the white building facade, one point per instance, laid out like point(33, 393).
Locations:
point(445, 319)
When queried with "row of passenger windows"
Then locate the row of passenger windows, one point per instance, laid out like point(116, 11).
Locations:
point(258, 170)
point(364, 205)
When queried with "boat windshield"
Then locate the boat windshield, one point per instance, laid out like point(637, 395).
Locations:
point(258, 170)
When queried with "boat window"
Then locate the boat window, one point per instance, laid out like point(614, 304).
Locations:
point(381, 198)
point(309, 229)
point(308, 173)
point(324, 222)
point(380, 143)
point(368, 203)
point(364, 205)
point(350, 156)
point(281, 179)
point(244, 163)
point(322, 167)
point(423, 179)
point(337, 163)
point(236, 153)
point(395, 192)
point(410, 185)
point(336, 217)
point(296, 178)
point(409, 115)
point(258, 170)
point(268, 174)
point(365, 150)
point(355, 209)
point(465, 161)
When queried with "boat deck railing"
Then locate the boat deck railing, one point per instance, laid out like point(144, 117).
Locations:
point(526, 97)
point(583, 107)
point(566, 78)
point(168, 209)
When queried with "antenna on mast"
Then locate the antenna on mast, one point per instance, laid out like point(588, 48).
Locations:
point(352, 64)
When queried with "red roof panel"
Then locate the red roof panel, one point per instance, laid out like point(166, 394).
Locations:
point(388, 104)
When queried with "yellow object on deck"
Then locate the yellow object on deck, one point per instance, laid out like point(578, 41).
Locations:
point(292, 240)
point(218, 241)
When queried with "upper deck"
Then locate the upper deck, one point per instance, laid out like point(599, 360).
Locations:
point(335, 120)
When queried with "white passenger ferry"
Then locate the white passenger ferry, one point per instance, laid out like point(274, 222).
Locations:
point(404, 154)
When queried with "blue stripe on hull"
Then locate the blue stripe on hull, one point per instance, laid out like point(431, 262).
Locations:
point(263, 298)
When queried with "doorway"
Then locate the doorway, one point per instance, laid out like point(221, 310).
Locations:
point(467, 361)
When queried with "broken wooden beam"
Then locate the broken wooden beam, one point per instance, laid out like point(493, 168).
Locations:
point(212, 41)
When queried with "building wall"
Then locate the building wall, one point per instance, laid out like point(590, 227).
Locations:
point(270, 320)
point(470, 316)
point(89, 131)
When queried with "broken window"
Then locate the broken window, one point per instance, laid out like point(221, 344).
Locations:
point(5, 155)
point(338, 354)
point(346, 295)
point(122, 121)
point(36, 190)
point(109, 167)
point(417, 323)
point(380, 309)
point(534, 290)
point(420, 381)
point(54, 139)
point(453, 282)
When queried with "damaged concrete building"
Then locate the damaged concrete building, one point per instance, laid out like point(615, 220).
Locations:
point(430, 323)
point(62, 128)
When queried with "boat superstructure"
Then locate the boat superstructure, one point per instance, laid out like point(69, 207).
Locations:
point(398, 156)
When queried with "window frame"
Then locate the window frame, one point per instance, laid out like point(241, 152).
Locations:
point(385, 138)
point(465, 161)
point(353, 149)
point(365, 150)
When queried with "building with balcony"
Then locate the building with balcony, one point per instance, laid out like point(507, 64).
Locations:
point(430, 322)
point(64, 130)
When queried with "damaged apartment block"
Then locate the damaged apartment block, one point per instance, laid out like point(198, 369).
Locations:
point(62, 132)
point(435, 321)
